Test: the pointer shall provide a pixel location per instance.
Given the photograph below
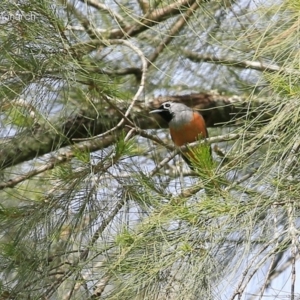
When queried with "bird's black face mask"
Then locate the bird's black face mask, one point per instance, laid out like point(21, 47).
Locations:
point(163, 112)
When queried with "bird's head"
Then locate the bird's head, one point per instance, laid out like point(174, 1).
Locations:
point(169, 110)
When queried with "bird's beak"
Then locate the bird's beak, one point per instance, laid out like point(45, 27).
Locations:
point(156, 111)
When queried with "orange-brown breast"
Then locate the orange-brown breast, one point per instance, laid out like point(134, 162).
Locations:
point(189, 132)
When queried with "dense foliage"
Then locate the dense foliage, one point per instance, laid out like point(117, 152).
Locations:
point(96, 203)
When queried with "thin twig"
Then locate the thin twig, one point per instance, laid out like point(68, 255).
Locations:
point(177, 26)
point(153, 17)
point(292, 158)
point(163, 163)
point(84, 254)
point(283, 268)
point(102, 7)
point(152, 137)
point(292, 232)
point(108, 100)
point(100, 286)
point(245, 279)
point(240, 180)
point(144, 5)
point(271, 266)
point(137, 94)
point(84, 21)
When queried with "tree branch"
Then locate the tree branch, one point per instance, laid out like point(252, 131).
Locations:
point(244, 64)
point(61, 157)
point(152, 18)
point(102, 7)
point(31, 143)
point(84, 21)
point(177, 26)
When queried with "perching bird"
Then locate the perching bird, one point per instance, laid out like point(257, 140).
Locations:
point(186, 126)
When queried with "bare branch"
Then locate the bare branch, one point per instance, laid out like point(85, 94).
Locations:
point(102, 7)
point(64, 155)
point(246, 64)
point(144, 5)
point(152, 18)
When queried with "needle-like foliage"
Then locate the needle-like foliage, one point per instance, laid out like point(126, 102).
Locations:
point(96, 202)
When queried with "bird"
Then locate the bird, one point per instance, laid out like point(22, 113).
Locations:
point(185, 125)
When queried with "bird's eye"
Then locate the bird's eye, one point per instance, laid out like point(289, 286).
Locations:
point(167, 105)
